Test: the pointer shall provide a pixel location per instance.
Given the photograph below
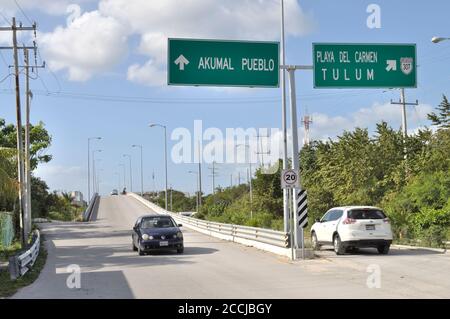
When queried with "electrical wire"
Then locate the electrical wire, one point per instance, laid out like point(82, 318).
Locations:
point(23, 12)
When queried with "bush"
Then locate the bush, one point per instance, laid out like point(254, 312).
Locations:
point(431, 225)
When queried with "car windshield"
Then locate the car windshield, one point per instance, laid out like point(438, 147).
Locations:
point(157, 222)
point(366, 214)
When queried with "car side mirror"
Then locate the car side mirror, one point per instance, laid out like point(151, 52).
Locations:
point(180, 225)
point(317, 220)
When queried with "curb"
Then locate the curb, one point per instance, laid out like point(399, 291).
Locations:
point(439, 250)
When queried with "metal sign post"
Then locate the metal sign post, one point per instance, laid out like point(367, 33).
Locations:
point(298, 240)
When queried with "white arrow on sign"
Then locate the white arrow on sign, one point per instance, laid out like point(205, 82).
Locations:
point(181, 61)
point(391, 65)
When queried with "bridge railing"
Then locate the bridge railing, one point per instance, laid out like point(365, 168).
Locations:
point(88, 212)
point(20, 264)
point(265, 239)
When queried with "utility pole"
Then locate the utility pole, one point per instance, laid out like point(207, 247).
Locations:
point(23, 215)
point(199, 176)
point(403, 103)
point(260, 148)
point(29, 96)
point(27, 210)
point(307, 121)
point(213, 175)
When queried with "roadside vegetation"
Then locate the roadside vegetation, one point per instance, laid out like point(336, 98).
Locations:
point(357, 169)
point(9, 287)
point(44, 204)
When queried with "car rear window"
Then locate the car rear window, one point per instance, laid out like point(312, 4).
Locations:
point(366, 214)
point(157, 222)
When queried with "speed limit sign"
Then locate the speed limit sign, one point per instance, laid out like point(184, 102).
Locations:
point(289, 179)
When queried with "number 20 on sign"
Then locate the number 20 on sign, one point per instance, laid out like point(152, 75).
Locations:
point(289, 179)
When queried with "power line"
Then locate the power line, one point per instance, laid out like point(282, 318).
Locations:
point(23, 12)
point(6, 19)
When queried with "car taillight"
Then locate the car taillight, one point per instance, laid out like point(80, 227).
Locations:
point(387, 220)
point(349, 221)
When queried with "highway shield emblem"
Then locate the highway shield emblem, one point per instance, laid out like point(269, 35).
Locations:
point(406, 65)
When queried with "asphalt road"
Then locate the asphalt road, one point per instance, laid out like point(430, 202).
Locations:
point(211, 268)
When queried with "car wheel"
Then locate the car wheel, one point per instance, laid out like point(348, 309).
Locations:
point(384, 250)
point(134, 247)
point(314, 242)
point(180, 250)
point(337, 244)
point(139, 249)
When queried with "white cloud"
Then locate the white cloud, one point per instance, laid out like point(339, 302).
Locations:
point(325, 126)
point(155, 21)
point(149, 73)
point(92, 43)
point(96, 41)
point(52, 7)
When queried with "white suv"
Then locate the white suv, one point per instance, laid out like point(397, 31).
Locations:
point(348, 228)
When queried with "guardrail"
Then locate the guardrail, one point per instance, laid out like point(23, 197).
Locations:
point(20, 264)
point(265, 239)
point(88, 212)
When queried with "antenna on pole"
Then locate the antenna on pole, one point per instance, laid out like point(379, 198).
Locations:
point(307, 121)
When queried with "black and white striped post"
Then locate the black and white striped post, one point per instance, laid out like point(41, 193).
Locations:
point(302, 208)
point(302, 216)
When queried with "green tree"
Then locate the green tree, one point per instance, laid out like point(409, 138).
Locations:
point(40, 141)
point(442, 118)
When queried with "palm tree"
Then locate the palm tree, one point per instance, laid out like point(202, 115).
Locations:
point(8, 185)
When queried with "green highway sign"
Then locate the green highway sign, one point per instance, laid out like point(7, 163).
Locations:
point(364, 65)
point(223, 63)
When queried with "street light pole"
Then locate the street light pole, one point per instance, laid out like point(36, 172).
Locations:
point(93, 169)
point(118, 184)
point(198, 190)
point(131, 172)
point(89, 164)
point(142, 170)
point(165, 156)
point(250, 177)
point(286, 210)
point(98, 179)
point(124, 175)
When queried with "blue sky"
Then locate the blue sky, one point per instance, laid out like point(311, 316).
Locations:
point(116, 50)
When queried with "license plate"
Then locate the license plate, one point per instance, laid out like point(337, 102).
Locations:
point(163, 243)
point(370, 227)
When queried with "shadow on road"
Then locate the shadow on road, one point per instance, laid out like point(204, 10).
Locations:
point(369, 252)
point(93, 285)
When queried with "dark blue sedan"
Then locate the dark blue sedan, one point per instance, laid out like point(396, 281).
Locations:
point(156, 232)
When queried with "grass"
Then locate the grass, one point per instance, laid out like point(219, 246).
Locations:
point(9, 287)
point(74, 216)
